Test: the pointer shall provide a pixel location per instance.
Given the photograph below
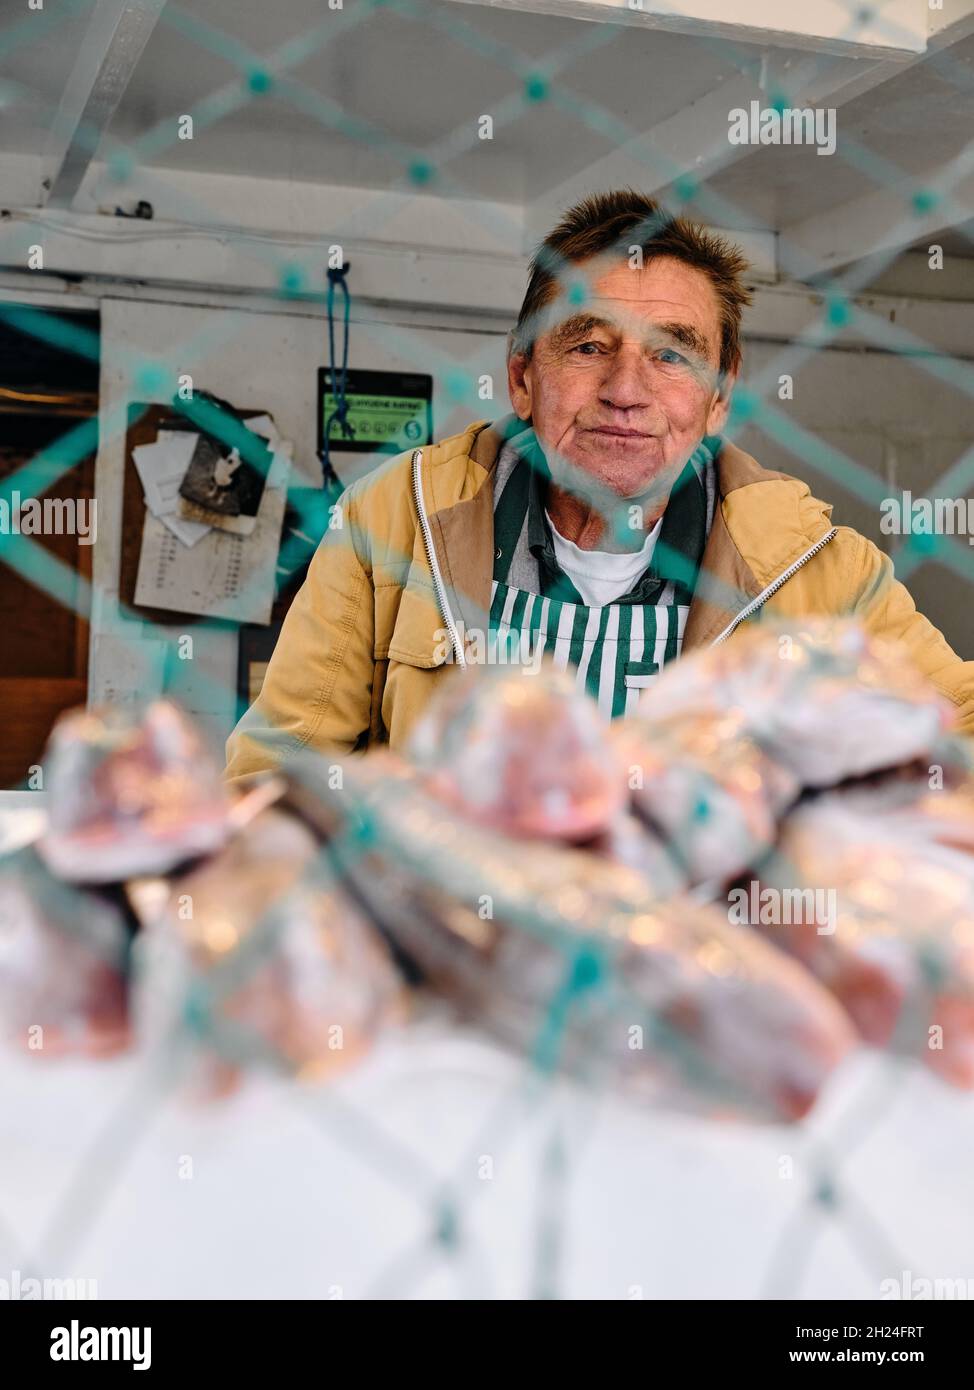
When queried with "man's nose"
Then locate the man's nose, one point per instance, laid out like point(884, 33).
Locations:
point(627, 383)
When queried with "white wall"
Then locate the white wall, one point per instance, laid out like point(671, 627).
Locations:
point(254, 359)
point(897, 420)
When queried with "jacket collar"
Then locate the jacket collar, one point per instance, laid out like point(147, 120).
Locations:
point(764, 521)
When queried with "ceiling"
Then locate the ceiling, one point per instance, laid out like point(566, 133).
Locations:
point(370, 93)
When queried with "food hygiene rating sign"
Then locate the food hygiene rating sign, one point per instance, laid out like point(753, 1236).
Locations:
point(389, 412)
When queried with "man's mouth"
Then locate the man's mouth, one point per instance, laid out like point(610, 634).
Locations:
point(611, 432)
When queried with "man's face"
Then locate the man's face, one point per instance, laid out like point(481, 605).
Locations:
point(625, 387)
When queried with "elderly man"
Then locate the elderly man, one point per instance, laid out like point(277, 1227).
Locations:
point(605, 522)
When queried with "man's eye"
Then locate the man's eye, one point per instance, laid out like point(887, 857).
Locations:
point(580, 347)
point(673, 358)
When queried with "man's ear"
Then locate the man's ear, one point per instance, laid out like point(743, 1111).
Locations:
point(519, 384)
point(720, 405)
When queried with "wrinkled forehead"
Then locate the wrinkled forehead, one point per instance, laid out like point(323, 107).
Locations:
point(663, 299)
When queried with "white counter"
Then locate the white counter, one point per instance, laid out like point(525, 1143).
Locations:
point(326, 1192)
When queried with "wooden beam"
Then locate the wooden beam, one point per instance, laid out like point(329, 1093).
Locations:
point(827, 26)
point(952, 22)
point(113, 43)
point(694, 140)
point(885, 220)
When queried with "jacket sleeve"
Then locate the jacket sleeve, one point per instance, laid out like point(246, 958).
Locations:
point(317, 691)
point(887, 609)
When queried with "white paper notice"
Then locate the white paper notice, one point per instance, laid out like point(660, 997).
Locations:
point(161, 468)
point(189, 532)
point(223, 576)
point(264, 426)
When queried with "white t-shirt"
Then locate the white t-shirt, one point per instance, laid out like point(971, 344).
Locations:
point(601, 576)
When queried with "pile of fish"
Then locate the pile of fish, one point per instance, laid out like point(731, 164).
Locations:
point(707, 905)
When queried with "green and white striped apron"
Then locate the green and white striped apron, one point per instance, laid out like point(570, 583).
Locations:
point(616, 650)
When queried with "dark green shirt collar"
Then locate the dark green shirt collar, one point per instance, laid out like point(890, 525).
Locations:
point(679, 549)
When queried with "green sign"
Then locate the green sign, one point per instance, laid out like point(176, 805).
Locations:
point(381, 422)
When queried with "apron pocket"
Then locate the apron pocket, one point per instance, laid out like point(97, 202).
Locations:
point(640, 674)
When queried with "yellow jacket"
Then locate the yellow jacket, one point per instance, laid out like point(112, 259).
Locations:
point(362, 647)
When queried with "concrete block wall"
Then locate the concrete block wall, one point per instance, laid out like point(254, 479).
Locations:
point(254, 359)
point(898, 420)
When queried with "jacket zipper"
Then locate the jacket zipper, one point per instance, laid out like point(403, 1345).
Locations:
point(438, 585)
point(773, 587)
point(440, 589)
